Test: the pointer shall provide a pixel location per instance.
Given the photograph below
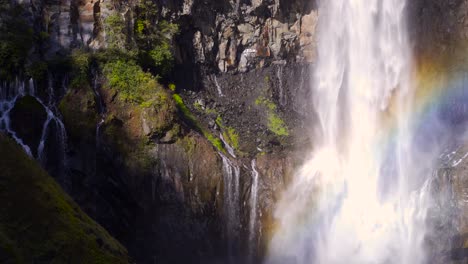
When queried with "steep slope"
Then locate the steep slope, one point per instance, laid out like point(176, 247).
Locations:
point(39, 222)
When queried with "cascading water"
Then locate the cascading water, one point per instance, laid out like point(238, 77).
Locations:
point(101, 107)
point(231, 174)
point(9, 94)
point(359, 198)
point(253, 212)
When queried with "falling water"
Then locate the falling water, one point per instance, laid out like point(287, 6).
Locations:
point(358, 199)
point(9, 94)
point(281, 95)
point(253, 212)
point(228, 147)
point(101, 107)
point(218, 87)
point(231, 174)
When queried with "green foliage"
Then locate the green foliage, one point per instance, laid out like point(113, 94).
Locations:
point(229, 133)
point(16, 39)
point(114, 25)
point(216, 142)
point(40, 223)
point(154, 38)
point(132, 83)
point(275, 123)
point(231, 136)
point(79, 62)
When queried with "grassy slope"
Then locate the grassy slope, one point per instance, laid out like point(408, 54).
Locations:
point(39, 222)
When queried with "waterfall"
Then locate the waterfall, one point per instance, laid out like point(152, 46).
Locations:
point(253, 212)
point(215, 80)
point(361, 197)
point(9, 94)
point(229, 148)
point(281, 95)
point(231, 174)
point(101, 107)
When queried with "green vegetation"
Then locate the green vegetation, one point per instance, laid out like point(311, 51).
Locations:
point(132, 83)
point(216, 142)
point(114, 25)
point(229, 133)
point(154, 39)
point(39, 222)
point(275, 123)
point(79, 62)
point(16, 39)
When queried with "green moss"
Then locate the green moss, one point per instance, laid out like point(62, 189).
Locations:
point(219, 121)
point(275, 123)
point(231, 136)
point(216, 142)
point(229, 133)
point(172, 87)
point(39, 223)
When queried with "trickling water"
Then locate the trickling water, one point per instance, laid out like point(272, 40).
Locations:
point(359, 198)
point(101, 107)
point(229, 148)
point(279, 75)
point(231, 174)
point(253, 212)
point(215, 80)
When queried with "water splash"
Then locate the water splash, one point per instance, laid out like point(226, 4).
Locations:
point(359, 198)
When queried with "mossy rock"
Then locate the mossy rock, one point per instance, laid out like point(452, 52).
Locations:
point(40, 223)
point(27, 120)
point(80, 114)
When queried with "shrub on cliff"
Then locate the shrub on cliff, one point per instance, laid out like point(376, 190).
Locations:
point(154, 39)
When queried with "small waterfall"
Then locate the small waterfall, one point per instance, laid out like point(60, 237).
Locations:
point(229, 148)
point(281, 94)
point(253, 213)
point(218, 87)
point(9, 94)
point(231, 174)
point(101, 107)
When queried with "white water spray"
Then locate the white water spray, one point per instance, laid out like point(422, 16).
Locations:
point(358, 198)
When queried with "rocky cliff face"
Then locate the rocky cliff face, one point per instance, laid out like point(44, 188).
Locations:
point(173, 176)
